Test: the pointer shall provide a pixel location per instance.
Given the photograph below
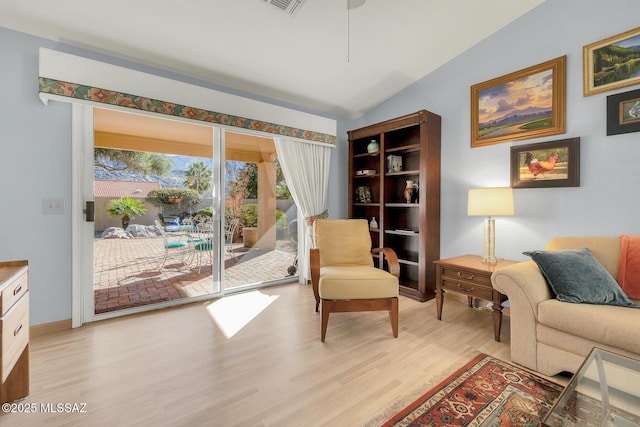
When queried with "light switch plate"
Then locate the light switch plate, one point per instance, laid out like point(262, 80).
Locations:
point(53, 206)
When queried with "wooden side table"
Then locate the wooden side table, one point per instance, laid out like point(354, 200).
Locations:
point(468, 275)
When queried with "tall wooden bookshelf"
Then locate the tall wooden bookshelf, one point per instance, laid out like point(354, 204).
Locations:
point(411, 229)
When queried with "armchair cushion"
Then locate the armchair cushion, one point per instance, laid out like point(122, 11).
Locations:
point(356, 282)
point(343, 242)
point(576, 276)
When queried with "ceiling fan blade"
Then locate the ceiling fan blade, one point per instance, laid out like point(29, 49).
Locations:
point(352, 4)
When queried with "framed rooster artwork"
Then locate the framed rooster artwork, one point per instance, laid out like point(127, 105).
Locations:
point(546, 164)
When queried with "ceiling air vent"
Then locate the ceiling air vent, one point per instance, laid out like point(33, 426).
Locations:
point(289, 6)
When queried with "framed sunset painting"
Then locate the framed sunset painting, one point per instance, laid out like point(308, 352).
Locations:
point(525, 104)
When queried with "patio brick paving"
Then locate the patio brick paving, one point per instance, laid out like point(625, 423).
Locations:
point(126, 273)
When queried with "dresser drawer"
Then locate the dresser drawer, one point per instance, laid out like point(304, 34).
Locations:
point(468, 288)
point(15, 335)
point(449, 273)
point(14, 288)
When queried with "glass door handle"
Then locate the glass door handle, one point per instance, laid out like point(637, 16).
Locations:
point(90, 211)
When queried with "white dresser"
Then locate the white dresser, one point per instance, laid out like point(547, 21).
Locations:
point(14, 330)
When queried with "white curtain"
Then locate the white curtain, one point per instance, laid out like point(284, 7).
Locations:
point(306, 168)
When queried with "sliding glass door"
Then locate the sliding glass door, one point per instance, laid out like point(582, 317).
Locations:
point(157, 216)
point(257, 198)
point(178, 210)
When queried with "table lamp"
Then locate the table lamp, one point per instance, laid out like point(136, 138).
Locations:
point(489, 202)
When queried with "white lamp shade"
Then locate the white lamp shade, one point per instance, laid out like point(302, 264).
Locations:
point(495, 201)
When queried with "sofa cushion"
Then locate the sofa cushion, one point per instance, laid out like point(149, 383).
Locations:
point(576, 276)
point(605, 248)
point(609, 325)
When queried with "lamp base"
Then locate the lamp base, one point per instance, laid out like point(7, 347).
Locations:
point(489, 255)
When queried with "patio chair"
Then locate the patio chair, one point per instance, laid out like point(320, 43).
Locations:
point(230, 229)
point(343, 275)
point(203, 243)
point(174, 242)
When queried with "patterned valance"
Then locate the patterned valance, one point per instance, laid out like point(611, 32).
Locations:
point(110, 97)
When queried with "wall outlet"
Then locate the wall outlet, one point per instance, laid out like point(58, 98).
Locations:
point(53, 206)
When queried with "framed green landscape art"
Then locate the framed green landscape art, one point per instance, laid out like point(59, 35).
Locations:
point(525, 104)
point(612, 63)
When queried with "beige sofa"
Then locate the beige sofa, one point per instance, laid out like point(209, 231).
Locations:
point(550, 336)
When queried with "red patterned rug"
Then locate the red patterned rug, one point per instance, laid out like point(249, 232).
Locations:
point(485, 392)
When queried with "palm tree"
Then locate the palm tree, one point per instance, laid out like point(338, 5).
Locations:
point(198, 177)
point(127, 207)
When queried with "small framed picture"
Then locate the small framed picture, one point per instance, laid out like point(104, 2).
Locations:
point(623, 112)
point(394, 163)
point(546, 164)
point(363, 194)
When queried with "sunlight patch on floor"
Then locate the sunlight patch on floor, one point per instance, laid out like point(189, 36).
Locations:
point(232, 313)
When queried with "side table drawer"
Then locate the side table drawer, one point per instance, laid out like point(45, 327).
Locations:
point(15, 335)
point(467, 276)
point(468, 288)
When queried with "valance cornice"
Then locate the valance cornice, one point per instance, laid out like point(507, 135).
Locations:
point(70, 78)
point(104, 96)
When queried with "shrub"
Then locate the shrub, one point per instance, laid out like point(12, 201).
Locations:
point(166, 196)
point(282, 224)
point(249, 215)
point(127, 207)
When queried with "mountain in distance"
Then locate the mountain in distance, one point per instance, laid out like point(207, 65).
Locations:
point(174, 179)
point(179, 164)
point(518, 116)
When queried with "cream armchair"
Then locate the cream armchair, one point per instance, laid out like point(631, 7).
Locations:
point(343, 275)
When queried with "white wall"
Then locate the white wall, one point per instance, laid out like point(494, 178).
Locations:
point(35, 164)
point(606, 203)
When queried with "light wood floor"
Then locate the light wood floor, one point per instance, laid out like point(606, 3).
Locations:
point(176, 367)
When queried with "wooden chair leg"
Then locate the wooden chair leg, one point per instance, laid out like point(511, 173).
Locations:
point(326, 309)
point(393, 315)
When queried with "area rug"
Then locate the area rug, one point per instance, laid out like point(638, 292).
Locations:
point(484, 392)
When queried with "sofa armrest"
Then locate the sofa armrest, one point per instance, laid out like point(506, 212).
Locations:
point(523, 284)
point(526, 287)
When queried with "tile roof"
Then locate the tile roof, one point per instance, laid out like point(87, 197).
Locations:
point(137, 189)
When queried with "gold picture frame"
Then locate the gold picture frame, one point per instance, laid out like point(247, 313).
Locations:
point(602, 66)
point(503, 110)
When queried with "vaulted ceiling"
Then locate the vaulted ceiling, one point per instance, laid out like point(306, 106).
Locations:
point(323, 57)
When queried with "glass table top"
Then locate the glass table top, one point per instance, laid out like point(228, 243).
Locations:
point(604, 392)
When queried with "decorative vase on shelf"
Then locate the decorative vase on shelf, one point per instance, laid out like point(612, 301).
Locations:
point(411, 192)
point(373, 224)
point(373, 147)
